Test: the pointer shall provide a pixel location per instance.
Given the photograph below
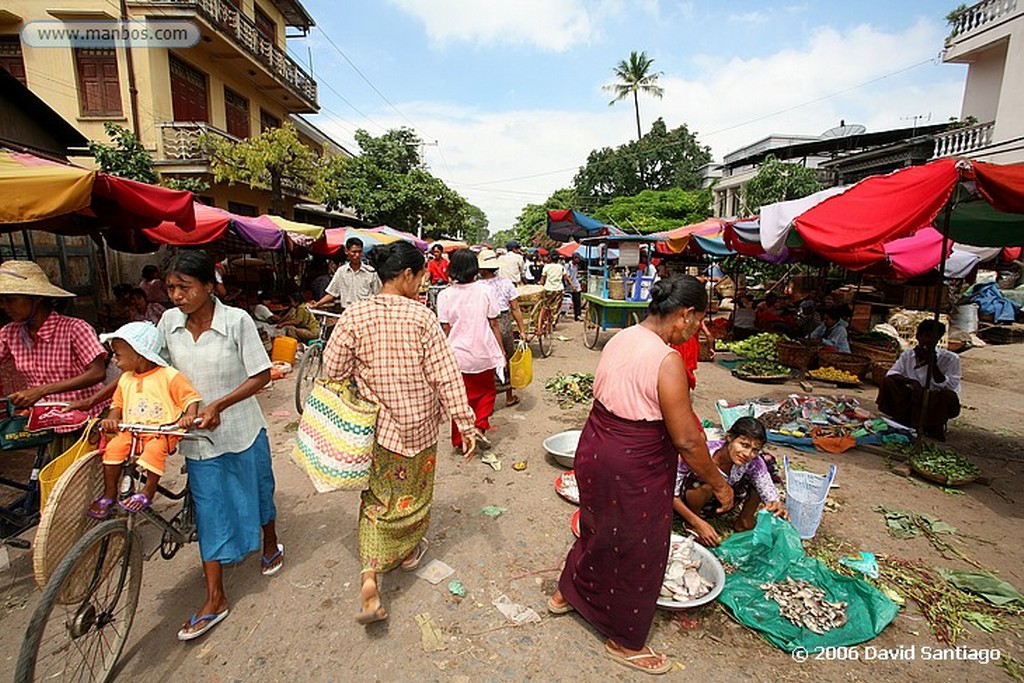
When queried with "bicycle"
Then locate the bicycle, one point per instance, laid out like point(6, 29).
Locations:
point(82, 621)
point(312, 359)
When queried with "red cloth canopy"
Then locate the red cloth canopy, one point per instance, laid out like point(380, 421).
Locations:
point(850, 229)
point(1001, 186)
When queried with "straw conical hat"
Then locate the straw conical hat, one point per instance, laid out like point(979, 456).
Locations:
point(28, 279)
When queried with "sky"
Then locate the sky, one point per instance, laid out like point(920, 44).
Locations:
point(508, 99)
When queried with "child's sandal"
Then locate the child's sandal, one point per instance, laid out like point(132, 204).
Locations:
point(140, 500)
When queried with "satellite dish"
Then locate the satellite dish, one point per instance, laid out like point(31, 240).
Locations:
point(843, 130)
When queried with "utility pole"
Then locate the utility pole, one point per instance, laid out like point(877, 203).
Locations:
point(421, 145)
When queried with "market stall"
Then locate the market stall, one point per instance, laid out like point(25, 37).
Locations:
point(617, 293)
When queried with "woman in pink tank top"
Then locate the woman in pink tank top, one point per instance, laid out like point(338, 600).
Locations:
point(641, 422)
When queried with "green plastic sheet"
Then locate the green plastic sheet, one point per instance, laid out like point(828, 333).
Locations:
point(772, 552)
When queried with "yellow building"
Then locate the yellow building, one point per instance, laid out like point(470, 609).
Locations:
point(236, 81)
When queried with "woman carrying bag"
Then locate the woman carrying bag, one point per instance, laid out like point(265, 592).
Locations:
point(393, 348)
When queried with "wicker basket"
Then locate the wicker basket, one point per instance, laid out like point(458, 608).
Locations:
point(877, 354)
point(795, 354)
point(705, 349)
point(847, 362)
point(878, 372)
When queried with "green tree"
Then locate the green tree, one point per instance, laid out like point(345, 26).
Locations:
point(778, 181)
point(657, 211)
point(272, 160)
point(388, 183)
point(502, 237)
point(635, 76)
point(125, 157)
point(661, 160)
point(532, 221)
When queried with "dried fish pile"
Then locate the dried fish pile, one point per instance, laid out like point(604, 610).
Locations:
point(683, 581)
point(804, 604)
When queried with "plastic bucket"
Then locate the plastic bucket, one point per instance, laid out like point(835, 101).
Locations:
point(616, 289)
point(283, 350)
point(805, 498)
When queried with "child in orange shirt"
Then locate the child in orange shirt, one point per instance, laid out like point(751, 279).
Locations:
point(148, 392)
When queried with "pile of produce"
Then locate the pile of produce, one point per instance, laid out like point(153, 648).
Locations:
point(879, 339)
point(805, 605)
point(830, 374)
point(759, 346)
point(942, 464)
point(762, 368)
point(575, 388)
point(683, 581)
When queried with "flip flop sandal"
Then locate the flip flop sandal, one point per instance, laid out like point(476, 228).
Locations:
point(411, 563)
point(269, 570)
point(140, 499)
point(514, 402)
point(193, 621)
point(632, 660)
point(104, 504)
point(556, 609)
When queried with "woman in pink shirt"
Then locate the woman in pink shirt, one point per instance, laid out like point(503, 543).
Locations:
point(468, 311)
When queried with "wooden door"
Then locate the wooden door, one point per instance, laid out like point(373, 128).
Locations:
point(236, 110)
point(188, 92)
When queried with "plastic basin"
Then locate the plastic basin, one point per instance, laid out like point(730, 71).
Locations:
point(710, 568)
point(562, 446)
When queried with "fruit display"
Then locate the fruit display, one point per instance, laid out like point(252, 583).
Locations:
point(761, 368)
point(830, 374)
point(759, 346)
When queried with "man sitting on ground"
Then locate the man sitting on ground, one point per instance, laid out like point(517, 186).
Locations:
point(902, 394)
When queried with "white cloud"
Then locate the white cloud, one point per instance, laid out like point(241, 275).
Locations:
point(501, 161)
point(552, 25)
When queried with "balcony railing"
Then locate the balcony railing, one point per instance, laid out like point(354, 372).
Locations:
point(963, 141)
point(977, 17)
point(242, 29)
point(180, 140)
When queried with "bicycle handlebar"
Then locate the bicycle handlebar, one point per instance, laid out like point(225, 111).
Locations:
point(326, 314)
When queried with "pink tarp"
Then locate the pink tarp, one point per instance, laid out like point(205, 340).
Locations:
point(917, 254)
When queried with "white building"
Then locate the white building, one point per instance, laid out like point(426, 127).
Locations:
point(989, 38)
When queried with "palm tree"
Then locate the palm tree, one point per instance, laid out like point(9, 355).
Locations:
point(635, 75)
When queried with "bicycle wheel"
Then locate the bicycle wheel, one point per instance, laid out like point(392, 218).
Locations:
point(309, 370)
point(591, 327)
point(82, 620)
point(544, 334)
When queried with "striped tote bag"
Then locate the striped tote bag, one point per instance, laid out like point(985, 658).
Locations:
point(334, 444)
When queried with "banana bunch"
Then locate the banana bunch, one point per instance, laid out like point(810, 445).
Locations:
point(830, 374)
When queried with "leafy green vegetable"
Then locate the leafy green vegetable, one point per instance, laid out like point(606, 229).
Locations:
point(569, 389)
point(759, 346)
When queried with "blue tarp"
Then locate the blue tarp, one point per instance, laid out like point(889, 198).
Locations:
point(991, 301)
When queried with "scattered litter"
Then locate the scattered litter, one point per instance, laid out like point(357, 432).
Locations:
point(493, 511)
point(562, 338)
point(430, 633)
point(435, 572)
point(515, 613)
point(519, 466)
point(903, 525)
point(280, 413)
point(493, 460)
point(864, 562)
point(456, 588)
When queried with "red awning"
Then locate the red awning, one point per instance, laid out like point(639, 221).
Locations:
point(850, 229)
point(1001, 186)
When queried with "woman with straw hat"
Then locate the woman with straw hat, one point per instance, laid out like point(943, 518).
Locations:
point(60, 358)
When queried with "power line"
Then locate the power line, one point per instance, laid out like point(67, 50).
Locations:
point(721, 130)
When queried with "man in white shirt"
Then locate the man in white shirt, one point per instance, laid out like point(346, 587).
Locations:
point(354, 281)
point(511, 264)
point(902, 394)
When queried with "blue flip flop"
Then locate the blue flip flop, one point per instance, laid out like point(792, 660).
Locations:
point(269, 570)
point(210, 619)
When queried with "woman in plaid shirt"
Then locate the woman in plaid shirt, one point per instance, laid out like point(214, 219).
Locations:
point(395, 350)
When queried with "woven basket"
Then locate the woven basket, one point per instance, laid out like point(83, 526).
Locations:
point(795, 354)
point(847, 362)
point(705, 349)
point(876, 353)
point(879, 371)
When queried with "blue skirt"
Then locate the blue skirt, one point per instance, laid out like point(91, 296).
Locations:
point(234, 497)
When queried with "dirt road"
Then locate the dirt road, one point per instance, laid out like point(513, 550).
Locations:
point(298, 625)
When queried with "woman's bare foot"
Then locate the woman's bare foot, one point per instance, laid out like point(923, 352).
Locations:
point(646, 660)
point(370, 601)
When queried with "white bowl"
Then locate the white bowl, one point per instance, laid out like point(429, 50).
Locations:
point(562, 446)
point(710, 568)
